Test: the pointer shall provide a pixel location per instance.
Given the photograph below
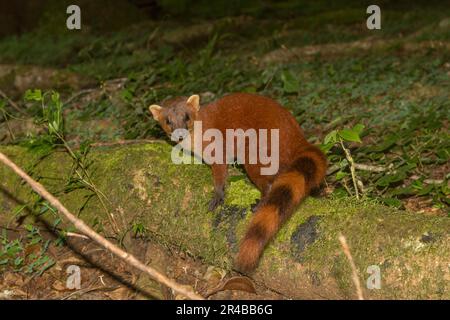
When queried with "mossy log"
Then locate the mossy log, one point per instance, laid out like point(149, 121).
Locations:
point(305, 261)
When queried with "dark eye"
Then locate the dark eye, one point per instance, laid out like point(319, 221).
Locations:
point(187, 118)
point(168, 122)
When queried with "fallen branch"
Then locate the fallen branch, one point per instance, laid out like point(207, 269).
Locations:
point(368, 167)
point(84, 228)
point(355, 278)
point(359, 166)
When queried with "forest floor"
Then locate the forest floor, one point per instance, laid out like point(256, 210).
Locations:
point(104, 276)
point(326, 67)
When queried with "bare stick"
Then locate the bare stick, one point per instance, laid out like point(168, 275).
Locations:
point(355, 278)
point(76, 235)
point(368, 167)
point(84, 228)
point(359, 166)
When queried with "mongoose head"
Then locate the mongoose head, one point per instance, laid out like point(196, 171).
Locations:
point(177, 113)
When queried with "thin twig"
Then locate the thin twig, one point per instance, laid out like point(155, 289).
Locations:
point(349, 157)
point(8, 126)
point(346, 187)
point(78, 94)
point(359, 166)
point(368, 167)
point(355, 278)
point(12, 103)
point(68, 234)
point(76, 235)
point(84, 228)
point(332, 169)
point(122, 142)
point(90, 184)
point(88, 290)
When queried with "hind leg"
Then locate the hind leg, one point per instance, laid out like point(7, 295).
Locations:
point(263, 183)
point(264, 193)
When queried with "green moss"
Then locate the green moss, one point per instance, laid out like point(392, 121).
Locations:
point(241, 193)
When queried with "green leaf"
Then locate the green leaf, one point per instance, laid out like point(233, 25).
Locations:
point(331, 137)
point(392, 202)
point(425, 190)
point(358, 128)
point(402, 191)
point(326, 147)
point(349, 135)
point(35, 95)
point(290, 82)
point(383, 146)
point(18, 261)
point(391, 178)
point(55, 97)
point(340, 175)
point(445, 189)
point(127, 95)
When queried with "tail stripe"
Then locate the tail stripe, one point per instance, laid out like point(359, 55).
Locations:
point(257, 232)
point(288, 189)
point(281, 198)
point(307, 167)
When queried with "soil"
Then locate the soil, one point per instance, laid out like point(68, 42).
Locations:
point(106, 277)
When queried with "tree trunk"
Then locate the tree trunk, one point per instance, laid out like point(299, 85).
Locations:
point(305, 261)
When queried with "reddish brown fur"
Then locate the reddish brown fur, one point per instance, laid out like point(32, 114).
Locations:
point(302, 165)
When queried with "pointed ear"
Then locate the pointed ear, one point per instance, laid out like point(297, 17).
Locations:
point(194, 102)
point(156, 111)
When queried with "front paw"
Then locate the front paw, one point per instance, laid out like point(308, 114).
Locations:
point(216, 201)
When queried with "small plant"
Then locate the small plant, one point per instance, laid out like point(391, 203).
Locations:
point(27, 254)
point(52, 119)
point(389, 178)
point(51, 111)
point(138, 229)
point(340, 138)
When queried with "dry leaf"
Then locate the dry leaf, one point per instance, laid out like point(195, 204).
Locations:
point(59, 286)
point(13, 279)
point(119, 294)
point(235, 283)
